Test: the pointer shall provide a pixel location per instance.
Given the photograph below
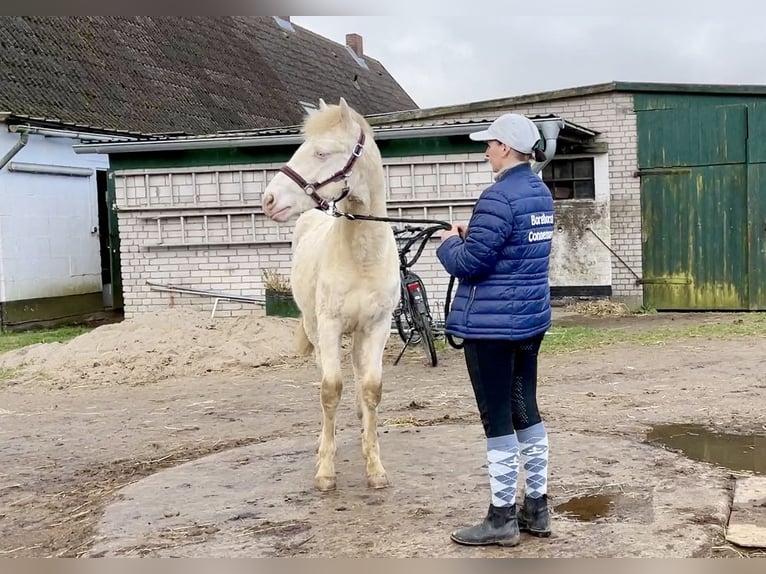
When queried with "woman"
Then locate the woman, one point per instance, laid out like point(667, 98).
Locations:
point(502, 310)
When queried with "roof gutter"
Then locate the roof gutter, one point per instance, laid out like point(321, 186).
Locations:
point(72, 134)
point(549, 128)
point(23, 138)
point(235, 141)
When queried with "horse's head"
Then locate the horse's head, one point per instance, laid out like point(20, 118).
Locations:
point(329, 165)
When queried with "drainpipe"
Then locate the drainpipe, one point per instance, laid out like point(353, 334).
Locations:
point(550, 131)
point(23, 138)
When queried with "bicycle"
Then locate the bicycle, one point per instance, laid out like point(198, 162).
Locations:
point(412, 315)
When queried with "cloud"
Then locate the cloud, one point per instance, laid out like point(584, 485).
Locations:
point(503, 50)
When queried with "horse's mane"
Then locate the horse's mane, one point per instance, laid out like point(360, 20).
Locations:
point(329, 118)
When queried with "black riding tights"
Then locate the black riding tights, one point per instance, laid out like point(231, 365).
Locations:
point(504, 379)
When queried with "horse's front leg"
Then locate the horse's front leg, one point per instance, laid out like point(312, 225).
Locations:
point(332, 386)
point(367, 353)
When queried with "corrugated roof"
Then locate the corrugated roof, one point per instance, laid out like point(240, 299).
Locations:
point(290, 135)
point(295, 129)
point(181, 74)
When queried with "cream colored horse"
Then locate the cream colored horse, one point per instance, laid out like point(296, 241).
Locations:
point(345, 273)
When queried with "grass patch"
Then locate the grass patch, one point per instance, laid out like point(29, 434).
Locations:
point(440, 343)
point(16, 340)
point(6, 374)
point(578, 338)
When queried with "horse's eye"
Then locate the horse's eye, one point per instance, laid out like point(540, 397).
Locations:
point(320, 154)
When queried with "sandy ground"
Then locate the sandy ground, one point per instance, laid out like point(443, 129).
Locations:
point(178, 435)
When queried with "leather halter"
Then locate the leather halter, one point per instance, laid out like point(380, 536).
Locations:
point(310, 189)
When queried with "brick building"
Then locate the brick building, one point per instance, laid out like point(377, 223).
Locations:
point(197, 223)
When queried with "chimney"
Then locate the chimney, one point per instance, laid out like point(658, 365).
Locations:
point(285, 18)
point(354, 41)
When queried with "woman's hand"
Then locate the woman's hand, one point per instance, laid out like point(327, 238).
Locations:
point(458, 229)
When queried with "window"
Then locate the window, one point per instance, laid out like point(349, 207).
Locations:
point(570, 178)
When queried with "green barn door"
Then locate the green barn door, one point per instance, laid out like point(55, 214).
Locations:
point(756, 200)
point(694, 207)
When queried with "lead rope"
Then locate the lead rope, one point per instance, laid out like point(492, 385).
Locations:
point(447, 306)
point(450, 286)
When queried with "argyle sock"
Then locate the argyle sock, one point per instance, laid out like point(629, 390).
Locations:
point(503, 464)
point(533, 448)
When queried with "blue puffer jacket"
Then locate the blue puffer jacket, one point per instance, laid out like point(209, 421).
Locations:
point(502, 264)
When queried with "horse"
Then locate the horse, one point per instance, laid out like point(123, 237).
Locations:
point(345, 271)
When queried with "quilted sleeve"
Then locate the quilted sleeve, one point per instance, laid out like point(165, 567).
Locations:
point(489, 230)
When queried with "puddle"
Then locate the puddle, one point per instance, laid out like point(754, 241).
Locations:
point(732, 451)
point(587, 508)
point(632, 506)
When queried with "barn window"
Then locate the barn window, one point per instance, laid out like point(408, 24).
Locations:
point(570, 178)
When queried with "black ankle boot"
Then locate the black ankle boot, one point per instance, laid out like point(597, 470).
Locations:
point(534, 517)
point(499, 527)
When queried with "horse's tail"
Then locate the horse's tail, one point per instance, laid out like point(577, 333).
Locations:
point(302, 343)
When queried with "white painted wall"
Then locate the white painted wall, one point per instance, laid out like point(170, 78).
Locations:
point(48, 246)
point(578, 258)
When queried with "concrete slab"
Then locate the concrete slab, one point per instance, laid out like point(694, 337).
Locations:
point(258, 501)
point(747, 523)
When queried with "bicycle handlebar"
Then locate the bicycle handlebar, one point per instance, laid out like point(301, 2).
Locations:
point(422, 234)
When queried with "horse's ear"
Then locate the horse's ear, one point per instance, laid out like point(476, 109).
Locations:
point(322, 104)
point(345, 112)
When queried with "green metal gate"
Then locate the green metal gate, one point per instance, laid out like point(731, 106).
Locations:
point(703, 208)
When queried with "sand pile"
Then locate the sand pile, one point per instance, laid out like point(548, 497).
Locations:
point(600, 308)
point(158, 346)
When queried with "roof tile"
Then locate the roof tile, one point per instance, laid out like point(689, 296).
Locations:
point(186, 74)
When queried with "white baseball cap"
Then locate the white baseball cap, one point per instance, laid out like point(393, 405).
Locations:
point(516, 131)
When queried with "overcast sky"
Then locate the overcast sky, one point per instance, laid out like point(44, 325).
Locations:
point(507, 48)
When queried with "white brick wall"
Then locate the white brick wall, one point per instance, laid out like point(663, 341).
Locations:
point(203, 228)
point(611, 115)
point(208, 236)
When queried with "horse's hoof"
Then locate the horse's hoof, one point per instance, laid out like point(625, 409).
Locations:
point(324, 483)
point(378, 481)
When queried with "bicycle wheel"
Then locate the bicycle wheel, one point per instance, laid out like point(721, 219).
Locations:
point(405, 326)
point(424, 327)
